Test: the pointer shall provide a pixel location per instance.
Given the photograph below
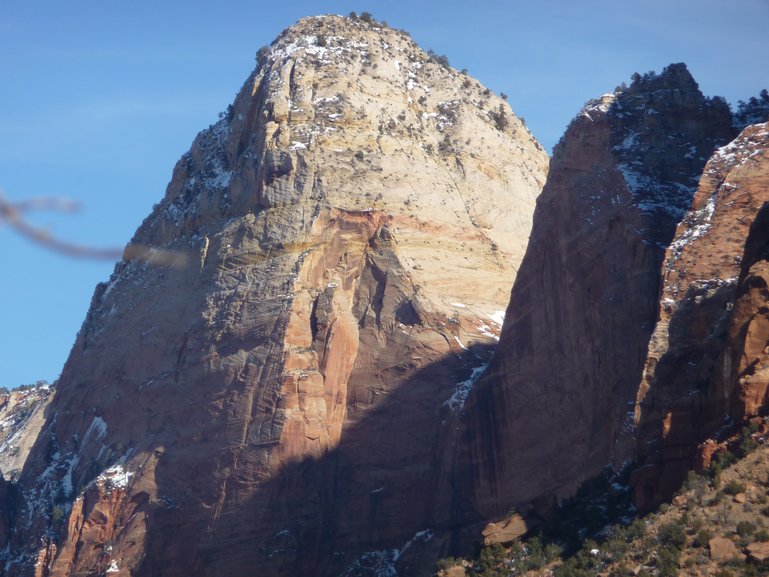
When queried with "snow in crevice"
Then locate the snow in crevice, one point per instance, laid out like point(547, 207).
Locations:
point(382, 563)
point(498, 317)
point(459, 342)
point(96, 430)
point(457, 400)
point(486, 331)
point(630, 143)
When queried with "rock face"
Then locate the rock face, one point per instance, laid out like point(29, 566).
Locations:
point(557, 403)
point(748, 336)
point(507, 531)
point(284, 398)
point(22, 415)
point(706, 362)
point(722, 549)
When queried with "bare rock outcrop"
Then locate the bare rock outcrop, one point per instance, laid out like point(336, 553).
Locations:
point(748, 335)
point(22, 415)
point(556, 405)
point(283, 399)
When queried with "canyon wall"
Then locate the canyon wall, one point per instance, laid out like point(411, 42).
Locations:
point(556, 405)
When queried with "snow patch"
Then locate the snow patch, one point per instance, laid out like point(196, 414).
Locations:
point(498, 317)
point(457, 400)
point(698, 222)
point(115, 477)
point(485, 330)
point(598, 106)
point(382, 563)
point(650, 195)
point(98, 428)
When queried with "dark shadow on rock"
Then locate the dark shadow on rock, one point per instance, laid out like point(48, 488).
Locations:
point(385, 496)
point(690, 396)
point(696, 392)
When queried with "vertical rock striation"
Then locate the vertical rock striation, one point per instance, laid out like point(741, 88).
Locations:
point(556, 405)
point(280, 392)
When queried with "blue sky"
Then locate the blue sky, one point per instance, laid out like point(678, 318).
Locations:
point(99, 100)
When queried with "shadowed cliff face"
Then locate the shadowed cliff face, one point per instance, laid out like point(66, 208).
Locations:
point(350, 228)
point(704, 369)
point(556, 404)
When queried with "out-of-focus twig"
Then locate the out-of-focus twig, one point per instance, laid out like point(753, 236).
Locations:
point(12, 213)
point(45, 203)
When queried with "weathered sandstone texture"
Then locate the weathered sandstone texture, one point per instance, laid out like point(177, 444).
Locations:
point(556, 405)
point(706, 365)
point(282, 400)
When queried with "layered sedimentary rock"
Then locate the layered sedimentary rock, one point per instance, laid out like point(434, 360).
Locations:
point(705, 367)
point(557, 403)
point(278, 395)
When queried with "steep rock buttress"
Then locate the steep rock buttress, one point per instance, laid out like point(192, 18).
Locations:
point(704, 372)
point(556, 405)
point(283, 395)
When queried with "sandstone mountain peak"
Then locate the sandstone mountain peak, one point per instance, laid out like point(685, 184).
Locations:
point(362, 107)
point(350, 227)
point(322, 379)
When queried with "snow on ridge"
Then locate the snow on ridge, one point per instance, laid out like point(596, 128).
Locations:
point(746, 146)
point(599, 105)
point(312, 45)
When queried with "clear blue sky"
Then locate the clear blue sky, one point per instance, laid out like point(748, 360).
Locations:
point(99, 99)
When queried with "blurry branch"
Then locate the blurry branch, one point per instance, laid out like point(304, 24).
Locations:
point(12, 214)
point(155, 256)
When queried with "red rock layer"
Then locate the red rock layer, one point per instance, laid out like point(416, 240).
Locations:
point(704, 367)
point(556, 405)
